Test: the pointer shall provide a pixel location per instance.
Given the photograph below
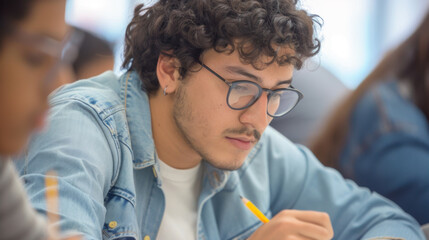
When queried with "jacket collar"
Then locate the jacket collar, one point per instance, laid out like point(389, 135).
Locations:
point(137, 111)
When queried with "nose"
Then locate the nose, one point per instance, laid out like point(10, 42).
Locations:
point(256, 115)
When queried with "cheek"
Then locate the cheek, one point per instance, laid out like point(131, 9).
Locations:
point(14, 123)
point(21, 98)
point(210, 112)
point(21, 91)
point(18, 103)
point(18, 107)
point(20, 94)
point(212, 115)
point(212, 99)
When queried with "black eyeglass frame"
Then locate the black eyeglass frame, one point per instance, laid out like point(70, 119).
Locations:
point(260, 89)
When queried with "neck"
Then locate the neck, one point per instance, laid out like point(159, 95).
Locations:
point(170, 144)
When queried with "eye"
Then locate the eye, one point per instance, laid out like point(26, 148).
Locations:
point(35, 59)
point(276, 95)
point(241, 87)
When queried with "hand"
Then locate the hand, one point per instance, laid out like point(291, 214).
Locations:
point(296, 225)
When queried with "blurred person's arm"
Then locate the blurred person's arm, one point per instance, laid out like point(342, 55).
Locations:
point(388, 149)
point(397, 167)
point(18, 220)
point(75, 147)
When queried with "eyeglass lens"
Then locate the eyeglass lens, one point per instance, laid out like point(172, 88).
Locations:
point(243, 94)
point(282, 102)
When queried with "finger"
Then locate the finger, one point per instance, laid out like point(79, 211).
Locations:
point(317, 218)
point(299, 238)
point(313, 231)
point(284, 232)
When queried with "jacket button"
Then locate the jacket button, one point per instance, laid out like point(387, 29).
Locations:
point(146, 237)
point(113, 224)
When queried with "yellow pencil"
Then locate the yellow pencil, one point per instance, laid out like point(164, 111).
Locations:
point(51, 183)
point(52, 202)
point(254, 210)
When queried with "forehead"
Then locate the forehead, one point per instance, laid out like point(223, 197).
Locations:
point(269, 74)
point(46, 17)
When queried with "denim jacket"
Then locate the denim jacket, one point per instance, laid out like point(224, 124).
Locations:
point(387, 149)
point(99, 141)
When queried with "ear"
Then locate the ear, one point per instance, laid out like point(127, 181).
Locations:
point(167, 71)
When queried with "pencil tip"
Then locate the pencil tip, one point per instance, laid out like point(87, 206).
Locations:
point(243, 199)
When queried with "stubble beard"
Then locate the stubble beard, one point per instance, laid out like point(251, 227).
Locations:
point(183, 115)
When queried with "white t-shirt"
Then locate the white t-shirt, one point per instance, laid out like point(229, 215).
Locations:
point(181, 189)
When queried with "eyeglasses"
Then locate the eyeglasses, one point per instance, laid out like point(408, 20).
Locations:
point(243, 94)
point(65, 52)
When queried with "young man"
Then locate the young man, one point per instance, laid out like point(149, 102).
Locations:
point(167, 150)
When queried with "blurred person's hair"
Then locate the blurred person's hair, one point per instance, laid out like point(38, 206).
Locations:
point(408, 62)
point(91, 47)
point(11, 12)
point(185, 29)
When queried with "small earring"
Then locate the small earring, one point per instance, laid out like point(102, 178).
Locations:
point(165, 89)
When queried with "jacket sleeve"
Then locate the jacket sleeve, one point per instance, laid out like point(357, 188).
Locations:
point(396, 166)
point(18, 220)
point(78, 147)
point(300, 181)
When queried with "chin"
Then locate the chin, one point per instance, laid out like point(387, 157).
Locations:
point(11, 149)
point(230, 165)
point(14, 144)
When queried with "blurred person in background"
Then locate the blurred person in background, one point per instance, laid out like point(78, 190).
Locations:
point(379, 136)
point(33, 34)
point(95, 56)
point(322, 91)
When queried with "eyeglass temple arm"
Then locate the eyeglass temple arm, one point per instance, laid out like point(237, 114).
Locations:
point(210, 70)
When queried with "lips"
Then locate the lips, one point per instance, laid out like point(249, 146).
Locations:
point(241, 142)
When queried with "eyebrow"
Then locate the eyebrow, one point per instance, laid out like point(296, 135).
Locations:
point(243, 72)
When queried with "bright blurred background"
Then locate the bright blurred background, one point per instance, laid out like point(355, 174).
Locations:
point(355, 34)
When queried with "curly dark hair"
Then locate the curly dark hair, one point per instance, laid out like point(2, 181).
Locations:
point(186, 28)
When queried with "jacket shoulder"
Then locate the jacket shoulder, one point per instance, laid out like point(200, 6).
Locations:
point(101, 93)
